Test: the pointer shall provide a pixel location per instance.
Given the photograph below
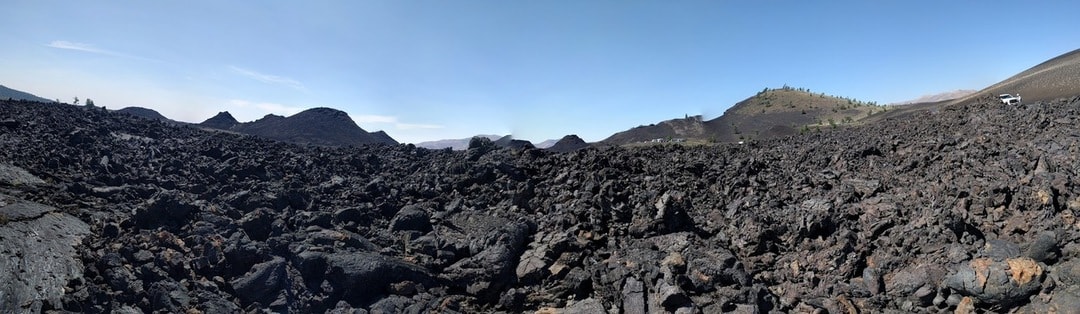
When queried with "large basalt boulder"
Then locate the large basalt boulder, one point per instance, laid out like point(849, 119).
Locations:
point(997, 282)
point(411, 218)
point(166, 208)
point(40, 247)
point(361, 277)
point(494, 268)
point(265, 283)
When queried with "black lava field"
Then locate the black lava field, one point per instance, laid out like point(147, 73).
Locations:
point(967, 208)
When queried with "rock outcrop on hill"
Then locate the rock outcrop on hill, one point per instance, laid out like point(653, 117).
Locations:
point(145, 113)
point(509, 142)
point(688, 127)
point(967, 208)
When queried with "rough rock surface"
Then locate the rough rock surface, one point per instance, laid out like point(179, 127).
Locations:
point(968, 208)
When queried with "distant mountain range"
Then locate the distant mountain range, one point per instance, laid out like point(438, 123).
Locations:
point(463, 143)
point(938, 97)
point(8, 93)
point(455, 144)
point(546, 144)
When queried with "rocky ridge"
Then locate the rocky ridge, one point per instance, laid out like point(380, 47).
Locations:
point(967, 208)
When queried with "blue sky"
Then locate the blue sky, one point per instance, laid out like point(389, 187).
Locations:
point(427, 70)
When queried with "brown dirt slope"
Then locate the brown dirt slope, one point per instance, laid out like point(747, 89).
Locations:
point(1056, 78)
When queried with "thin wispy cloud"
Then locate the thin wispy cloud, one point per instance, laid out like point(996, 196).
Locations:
point(415, 126)
point(269, 79)
point(89, 48)
point(392, 120)
point(374, 119)
point(63, 44)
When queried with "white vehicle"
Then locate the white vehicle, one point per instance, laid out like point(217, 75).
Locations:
point(1009, 99)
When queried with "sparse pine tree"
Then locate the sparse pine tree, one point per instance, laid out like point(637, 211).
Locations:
point(76, 102)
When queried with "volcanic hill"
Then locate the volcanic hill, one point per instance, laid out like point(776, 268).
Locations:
point(317, 126)
point(568, 144)
point(770, 113)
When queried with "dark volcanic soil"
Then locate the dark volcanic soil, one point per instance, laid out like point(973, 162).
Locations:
point(967, 208)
